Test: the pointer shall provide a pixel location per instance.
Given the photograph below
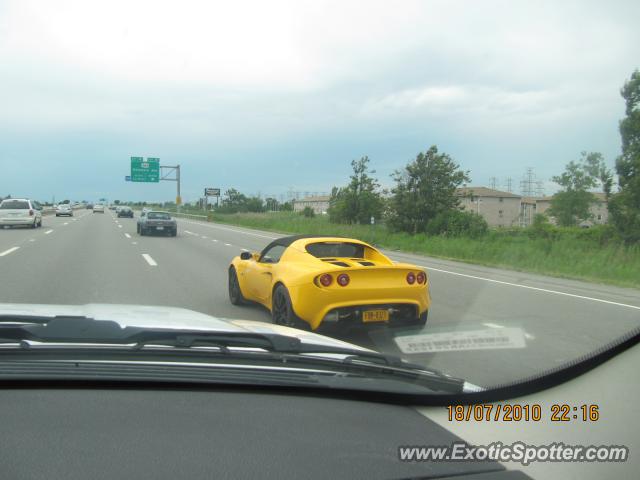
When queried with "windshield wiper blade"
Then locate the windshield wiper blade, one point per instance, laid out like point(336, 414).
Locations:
point(83, 330)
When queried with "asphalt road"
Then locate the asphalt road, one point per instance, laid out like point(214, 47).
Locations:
point(97, 258)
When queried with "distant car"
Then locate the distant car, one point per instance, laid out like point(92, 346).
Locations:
point(113, 207)
point(20, 211)
point(89, 206)
point(159, 222)
point(98, 208)
point(314, 281)
point(124, 212)
point(64, 209)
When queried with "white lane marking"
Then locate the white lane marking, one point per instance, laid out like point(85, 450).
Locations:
point(32, 239)
point(492, 325)
point(127, 235)
point(65, 223)
point(134, 243)
point(7, 252)
point(149, 260)
point(545, 290)
point(228, 244)
point(119, 226)
point(48, 232)
point(230, 229)
point(245, 250)
point(202, 236)
point(528, 336)
point(214, 240)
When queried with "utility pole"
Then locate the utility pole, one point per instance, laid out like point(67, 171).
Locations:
point(493, 181)
point(509, 185)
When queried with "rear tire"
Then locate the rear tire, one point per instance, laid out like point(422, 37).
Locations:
point(235, 293)
point(282, 310)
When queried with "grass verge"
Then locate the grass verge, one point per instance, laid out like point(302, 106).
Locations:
point(569, 253)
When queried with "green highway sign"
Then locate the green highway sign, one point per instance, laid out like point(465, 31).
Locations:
point(145, 170)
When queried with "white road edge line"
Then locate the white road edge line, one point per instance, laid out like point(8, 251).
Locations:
point(119, 226)
point(48, 232)
point(127, 235)
point(7, 252)
point(149, 260)
point(545, 290)
point(228, 244)
point(209, 225)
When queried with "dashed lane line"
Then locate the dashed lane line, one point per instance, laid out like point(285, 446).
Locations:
point(149, 260)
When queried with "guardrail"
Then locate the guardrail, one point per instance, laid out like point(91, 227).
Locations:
point(203, 218)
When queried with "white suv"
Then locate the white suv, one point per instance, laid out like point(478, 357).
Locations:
point(20, 211)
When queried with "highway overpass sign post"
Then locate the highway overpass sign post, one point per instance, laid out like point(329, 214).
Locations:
point(149, 171)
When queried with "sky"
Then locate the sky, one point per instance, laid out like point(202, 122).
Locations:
point(275, 96)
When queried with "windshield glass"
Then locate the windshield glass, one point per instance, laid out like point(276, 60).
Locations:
point(14, 205)
point(158, 216)
point(336, 249)
point(487, 153)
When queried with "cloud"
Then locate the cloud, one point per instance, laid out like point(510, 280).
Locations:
point(309, 84)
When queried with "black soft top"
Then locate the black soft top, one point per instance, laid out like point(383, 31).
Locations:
point(286, 241)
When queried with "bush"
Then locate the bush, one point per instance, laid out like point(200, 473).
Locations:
point(456, 223)
point(308, 212)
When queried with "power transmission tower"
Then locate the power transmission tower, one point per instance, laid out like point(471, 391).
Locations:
point(527, 183)
point(509, 184)
point(493, 181)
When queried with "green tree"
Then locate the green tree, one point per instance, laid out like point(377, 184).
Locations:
point(271, 204)
point(571, 204)
point(624, 206)
point(425, 188)
point(456, 223)
point(358, 201)
point(253, 204)
point(308, 212)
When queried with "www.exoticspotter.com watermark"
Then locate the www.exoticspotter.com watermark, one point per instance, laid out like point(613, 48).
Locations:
point(516, 452)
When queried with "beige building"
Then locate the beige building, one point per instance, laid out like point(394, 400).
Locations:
point(499, 209)
point(319, 204)
point(598, 210)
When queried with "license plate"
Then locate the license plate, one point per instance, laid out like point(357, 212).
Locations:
point(159, 228)
point(375, 316)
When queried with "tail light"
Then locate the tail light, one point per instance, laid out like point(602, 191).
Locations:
point(325, 280)
point(411, 278)
point(421, 277)
point(31, 213)
point(343, 280)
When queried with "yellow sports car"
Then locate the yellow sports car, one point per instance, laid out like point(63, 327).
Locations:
point(314, 281)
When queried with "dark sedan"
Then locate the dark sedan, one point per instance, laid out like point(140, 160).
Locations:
point(125, 212)
point(158, 222)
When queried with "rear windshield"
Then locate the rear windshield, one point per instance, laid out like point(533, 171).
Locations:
point(158, 216)
point(14, 204)
point(336, 249)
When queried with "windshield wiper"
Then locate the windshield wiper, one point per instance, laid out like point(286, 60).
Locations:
point(83, 330)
